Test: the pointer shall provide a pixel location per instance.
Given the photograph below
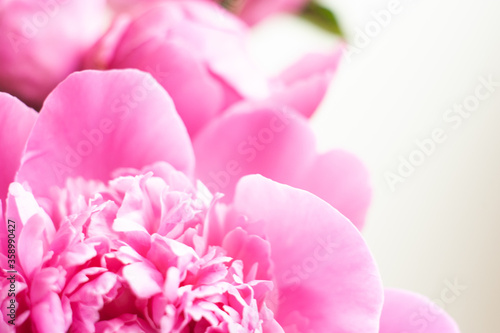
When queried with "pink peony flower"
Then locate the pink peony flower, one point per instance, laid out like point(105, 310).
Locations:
point(43, 41)
point(114, 235)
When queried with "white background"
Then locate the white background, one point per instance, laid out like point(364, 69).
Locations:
point(443, 222)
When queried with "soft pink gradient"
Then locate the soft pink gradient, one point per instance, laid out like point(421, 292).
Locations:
point(43, 42)
point(129, 242)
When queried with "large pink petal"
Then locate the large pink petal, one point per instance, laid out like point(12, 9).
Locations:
point(408, 312)
point(279, 144)
point(326, 277)
point(16, 122)
point(273, 142)
point(341, 179)
point(95, 122)
point(182, 75)
point(304, 85)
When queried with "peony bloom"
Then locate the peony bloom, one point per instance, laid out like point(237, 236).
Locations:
point(43, 41)
point(114, 235)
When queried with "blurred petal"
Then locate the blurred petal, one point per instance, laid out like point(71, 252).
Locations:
point(49, 312)
point(253, 11)
point(16, 122)
point(43, 42)
point(342, 180)
point(95, 122)
point(325, 274)
point(279, 144)
point(304, 85)
point(161, 41)
point(272, 142)
point(408, 312)
point(33, 227)
point(181, 65)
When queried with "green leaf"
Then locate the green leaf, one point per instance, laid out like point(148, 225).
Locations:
point(322, 17)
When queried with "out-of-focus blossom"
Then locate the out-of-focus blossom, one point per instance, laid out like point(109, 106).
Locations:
point(250, 11)
point(113, 234)
point(198, 53)
point(408, 312)
point(253, 11)
point(194, 49)
point(43, 41)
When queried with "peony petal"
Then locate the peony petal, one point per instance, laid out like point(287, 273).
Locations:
point(33, 228)
point(279, 144)
point(326, 277)
point(304, 85)
point(251, 249)
point(126, 323)
point(161, 41)
point(16, 122)
point(256, 10)
point(181, 65)
point(341, 179)
point(49, 312)
point(43, 41)
point(49, 315)
point(276, 143)
point(407, 312)
point(31, 247)
point(143, 278)
point(95, 122)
